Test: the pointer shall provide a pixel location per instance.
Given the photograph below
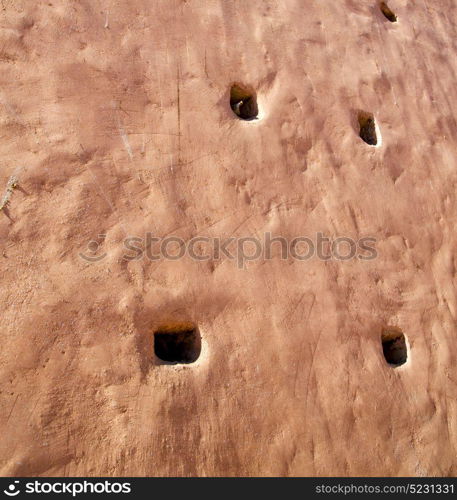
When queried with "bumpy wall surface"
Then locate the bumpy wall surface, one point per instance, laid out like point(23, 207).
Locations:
point(115, 119)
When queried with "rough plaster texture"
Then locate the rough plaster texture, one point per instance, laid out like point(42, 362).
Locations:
point(115, 117)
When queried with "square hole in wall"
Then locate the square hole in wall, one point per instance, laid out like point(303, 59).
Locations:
point(388, 12)
point(394, 347)
point(243, 102)
point(367, 126)
point(177, 344)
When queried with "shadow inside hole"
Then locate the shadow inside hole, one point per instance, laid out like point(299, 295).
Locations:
point(243, 102)
point(388, 13)
point(394, 347)
point(367, 126)
point(177, 345)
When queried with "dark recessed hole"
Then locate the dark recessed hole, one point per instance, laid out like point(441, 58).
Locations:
point(388, 13)
point(367, 126)
point(177, 344)
point(394, 347)
point(243, 103)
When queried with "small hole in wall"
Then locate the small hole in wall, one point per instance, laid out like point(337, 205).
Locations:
point(388, 13)
point(394, 347)
point(367, 126)
point(243, 103)
point(181, 344)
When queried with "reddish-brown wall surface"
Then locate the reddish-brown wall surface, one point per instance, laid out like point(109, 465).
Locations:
point(115, 118)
